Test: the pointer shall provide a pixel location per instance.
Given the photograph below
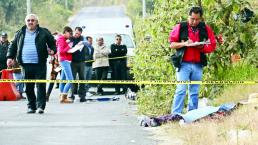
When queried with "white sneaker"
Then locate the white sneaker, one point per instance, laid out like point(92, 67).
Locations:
point(88, 94)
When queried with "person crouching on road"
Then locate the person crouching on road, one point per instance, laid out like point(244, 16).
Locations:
point(65, 58)
point(100, 64)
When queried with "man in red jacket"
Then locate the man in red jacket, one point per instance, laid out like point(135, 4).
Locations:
point(183, 38)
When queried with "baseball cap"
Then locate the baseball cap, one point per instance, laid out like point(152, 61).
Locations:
point(4, 34)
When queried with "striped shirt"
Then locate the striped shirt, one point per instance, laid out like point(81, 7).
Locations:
point(29, 51)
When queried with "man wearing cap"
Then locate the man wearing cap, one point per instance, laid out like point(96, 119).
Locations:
point(4, 43)
point(30, 49)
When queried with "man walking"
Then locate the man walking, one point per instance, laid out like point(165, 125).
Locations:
point(29, 47)
point(190, 58)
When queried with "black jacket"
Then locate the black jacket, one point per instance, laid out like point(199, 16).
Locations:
point(3, 52)
point(43, 40)
point(78, 56)
point(118, 51)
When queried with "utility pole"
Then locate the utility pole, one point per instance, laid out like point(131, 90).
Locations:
point(66, 4)
point(28, 7)
point(143, 8)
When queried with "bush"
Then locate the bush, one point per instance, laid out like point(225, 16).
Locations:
point(151, 60)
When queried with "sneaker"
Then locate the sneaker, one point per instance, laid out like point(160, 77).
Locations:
point(83, 100)
point(22, 97)
point(88, 94)
point(40, 111)
point(57, 85)
point(100, 93)
point(72, 98)
point(31, 111)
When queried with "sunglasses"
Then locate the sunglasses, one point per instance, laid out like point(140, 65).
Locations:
point(30, 20)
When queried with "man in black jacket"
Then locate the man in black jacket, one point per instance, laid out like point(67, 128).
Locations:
point(4, 44)
point(29, 48)
point(78, 65)
point(119, 65)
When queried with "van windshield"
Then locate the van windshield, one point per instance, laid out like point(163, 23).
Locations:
point(110, 39)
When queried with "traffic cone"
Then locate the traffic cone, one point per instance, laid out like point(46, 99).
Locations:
point(8, 90)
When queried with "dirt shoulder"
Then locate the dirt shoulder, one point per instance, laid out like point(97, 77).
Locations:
point(240, 127)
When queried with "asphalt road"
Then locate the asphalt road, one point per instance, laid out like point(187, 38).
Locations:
point(89, 123)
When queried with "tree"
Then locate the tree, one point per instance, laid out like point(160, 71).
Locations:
point(152, 58)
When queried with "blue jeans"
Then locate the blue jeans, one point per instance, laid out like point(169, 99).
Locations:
point(19, 86)
point(66, 74)
point(88, 76)
point(188, 72)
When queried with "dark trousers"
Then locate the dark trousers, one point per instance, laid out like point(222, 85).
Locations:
point(37, 72)
point(78, 68)
point(2, 66)
point(51, 85)
point(101, 74)
point(120, 73)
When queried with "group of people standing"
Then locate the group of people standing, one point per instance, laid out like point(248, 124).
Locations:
point(33, 44)
point(83, 62)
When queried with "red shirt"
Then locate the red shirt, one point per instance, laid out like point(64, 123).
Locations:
point(62, 48)
point(192, 54)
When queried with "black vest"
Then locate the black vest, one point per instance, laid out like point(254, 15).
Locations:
point(183, 36)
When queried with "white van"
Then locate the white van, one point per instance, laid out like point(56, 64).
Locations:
point(108, 28)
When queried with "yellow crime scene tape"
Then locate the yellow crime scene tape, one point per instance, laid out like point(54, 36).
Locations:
point(113, 58)
point(152, 82)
